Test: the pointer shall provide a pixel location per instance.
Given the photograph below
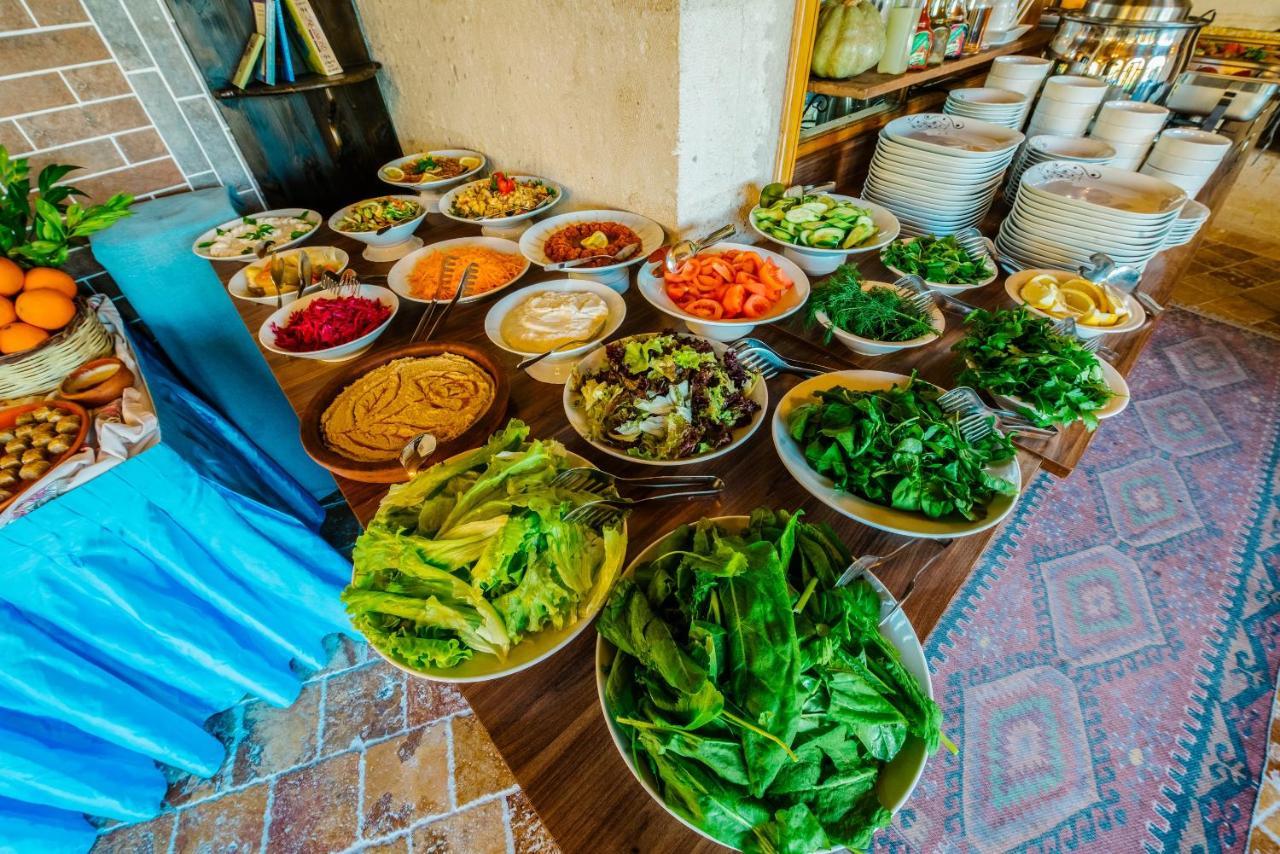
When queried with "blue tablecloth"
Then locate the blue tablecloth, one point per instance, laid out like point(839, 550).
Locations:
point(137, 605)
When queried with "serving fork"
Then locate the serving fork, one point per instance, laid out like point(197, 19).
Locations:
point(924, 296)
point(976, 244)
point(758, 357)
point(862, 565)
point(598, 481)
point(606, 511)
point(977, 420)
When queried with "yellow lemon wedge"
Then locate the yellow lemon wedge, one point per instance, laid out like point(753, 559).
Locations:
point(1078, 302)
point(393, 173)
point(1040, 292)
point(1104, 318)
point(597, 240)
point(1091, 288)
point(469, 163)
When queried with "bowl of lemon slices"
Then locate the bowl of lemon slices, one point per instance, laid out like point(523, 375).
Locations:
point(1099, 309)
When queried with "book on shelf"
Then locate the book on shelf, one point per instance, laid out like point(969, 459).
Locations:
point(270, 13)
point(316, 50)
point(286, 52)
point(248, 61)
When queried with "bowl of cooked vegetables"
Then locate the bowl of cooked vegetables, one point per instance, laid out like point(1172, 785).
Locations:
point(759, 703)
point(942, 262)
point(726, 290)
point(587, 238)
point(255, 283)
point(501, 202)
point(471, 571)
point(386, 225)
point(432, 170)
point(820, 231)
point(665, 399)
point(871, 318)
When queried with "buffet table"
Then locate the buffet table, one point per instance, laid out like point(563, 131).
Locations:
point(546, 720)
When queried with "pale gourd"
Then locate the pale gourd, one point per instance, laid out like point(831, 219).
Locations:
point(850, 38)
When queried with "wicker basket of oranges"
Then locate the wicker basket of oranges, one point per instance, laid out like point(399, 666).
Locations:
point(45, 331)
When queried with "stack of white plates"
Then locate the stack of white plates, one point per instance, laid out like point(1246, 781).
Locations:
point(938, 174)
point(1046, 147)
point(1129, 126)
point(1066, 212)
point(1187, 157)
point(1067, 105)
point(1191, 217)
point(998, 106)
point(1019, 74)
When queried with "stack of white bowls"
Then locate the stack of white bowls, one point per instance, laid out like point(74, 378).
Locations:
point(938, 174)
point(1019, 74)
point(1129, 127)
point(1187, 157)
point(1046, 147)
point(998, 106)
point(1190, 218)
point(1067, 105)
point(1066, 212)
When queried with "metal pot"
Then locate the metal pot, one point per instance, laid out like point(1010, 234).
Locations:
point(1138, 10)
point(1137, 57)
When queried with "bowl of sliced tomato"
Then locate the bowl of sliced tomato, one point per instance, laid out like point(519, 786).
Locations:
point(726, 290)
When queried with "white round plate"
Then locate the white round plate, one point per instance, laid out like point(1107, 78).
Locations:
point(211, 234)
point(343, 352)
point(923, 158)
point(238, 287)
point(1013, 286)
point(578, 419)
point(897, 779)
point(556, 368)
point(886, 231)
point(653, 289)
point(1138, 196)
point(872, 347)
point(957, 137)
point(446, 203)
point(437, 183)
point(650, 234)
point(949, 288)
point(876, 515)
point(398, 277)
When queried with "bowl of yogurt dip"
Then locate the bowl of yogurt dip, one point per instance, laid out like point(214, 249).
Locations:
point(569, 316)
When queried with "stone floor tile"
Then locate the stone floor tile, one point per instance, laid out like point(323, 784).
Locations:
point(1265, 270)
point(399, 845)
point(478, 768)
point(315, 808)
point(150, 837)
point(1235, 250)
point(478, 830)
point(1209, 257)
point(277, 739)
point(527, 830)
point(1237, 308)
point(1234, 277)
point(405, 779)
point(430, 701)
point(362, 704)
point(1191, 290)
point(229, 824)
point(1266, 295)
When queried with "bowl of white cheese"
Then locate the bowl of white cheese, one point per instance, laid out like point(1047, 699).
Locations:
point(566, 317)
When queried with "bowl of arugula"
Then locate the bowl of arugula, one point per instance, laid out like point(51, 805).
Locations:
point(941, 262)
point(871, 318)
point(876, 447)
point(1028, 367)
point(762, 733)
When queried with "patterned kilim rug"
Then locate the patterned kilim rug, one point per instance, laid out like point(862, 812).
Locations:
point(1109, 669)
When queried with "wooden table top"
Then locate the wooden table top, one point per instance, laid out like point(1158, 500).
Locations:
point(546, 720)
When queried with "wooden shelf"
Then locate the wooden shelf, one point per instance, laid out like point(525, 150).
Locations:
point(872, 84)
point(307, 83)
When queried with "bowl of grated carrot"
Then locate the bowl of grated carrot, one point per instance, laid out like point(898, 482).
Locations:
point(420, 275)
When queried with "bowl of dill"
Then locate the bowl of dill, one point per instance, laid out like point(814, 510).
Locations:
point(871, 318)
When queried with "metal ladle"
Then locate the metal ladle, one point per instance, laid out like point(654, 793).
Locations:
point(686, 249)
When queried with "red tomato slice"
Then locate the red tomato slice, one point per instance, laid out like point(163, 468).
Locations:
point(721, 268)
point(707, 308)
point(734, 296)
point(756, 286)
point(677, 290)
point(756, 306)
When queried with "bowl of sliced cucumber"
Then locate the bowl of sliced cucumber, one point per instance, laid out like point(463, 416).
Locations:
point(819, 231)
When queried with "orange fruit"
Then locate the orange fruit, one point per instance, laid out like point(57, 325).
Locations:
point(7, 314)
point(47, 277)
point(45, 308)
point(17, 337)
point(10, 278)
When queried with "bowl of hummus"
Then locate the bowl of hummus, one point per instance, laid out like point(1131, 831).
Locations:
point(358, 424)
point(569, 316)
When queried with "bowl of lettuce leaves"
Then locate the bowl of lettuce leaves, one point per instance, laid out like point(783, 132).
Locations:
point(469, 571)
point(760, 704)
point(942, 262)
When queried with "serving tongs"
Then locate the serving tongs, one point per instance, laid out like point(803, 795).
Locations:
point(1105, 273)
point(799, 191)
point(610, 508)
point(759, 358)
point(446, 274)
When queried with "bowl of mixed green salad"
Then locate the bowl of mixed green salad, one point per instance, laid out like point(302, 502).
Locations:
point(944, 265)
point(664, 398)
point(759, 703)
point(820, 230)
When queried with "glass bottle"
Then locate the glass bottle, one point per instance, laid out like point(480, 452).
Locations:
point(957, 27)
point(921, 42)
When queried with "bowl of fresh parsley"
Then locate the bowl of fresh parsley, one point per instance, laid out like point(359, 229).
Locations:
point(871, 318)
point(943, 264)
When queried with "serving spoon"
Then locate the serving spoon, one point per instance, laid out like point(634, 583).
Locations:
point(686, 249)
point(621, 255)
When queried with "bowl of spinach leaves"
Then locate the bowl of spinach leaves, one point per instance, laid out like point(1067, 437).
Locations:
point(871, 318)
point(760, 704)
point(876, 447)
point(943, 264)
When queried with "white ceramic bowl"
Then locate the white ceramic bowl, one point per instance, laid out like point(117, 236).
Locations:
point(398, 276)
point(556, 368)
point(238, 287)
point(884, 518)
point(1059, 125)
point(1181, 165)
point(950, 288)
point(446, 203)
point(1134, 114)
point(1194, 144)
point(819, 261)
point(1122, 133)
point(1192, 184)
point(616, 275)
point(988, 96)
point(1052, 108)
point(595, 360)
point(1126, 151)
point(208, 236)
point(395, 243)
point(1013, 285)
point(1049, 147)
point(872, 347)
point(653, 289)
point(897, 779)
point(436, 183)
point(1076, 88)
point(343, 352)
point(1021, 67)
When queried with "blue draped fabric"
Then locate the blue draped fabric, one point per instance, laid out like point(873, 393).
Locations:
point(184, 304)
point(140, 603)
